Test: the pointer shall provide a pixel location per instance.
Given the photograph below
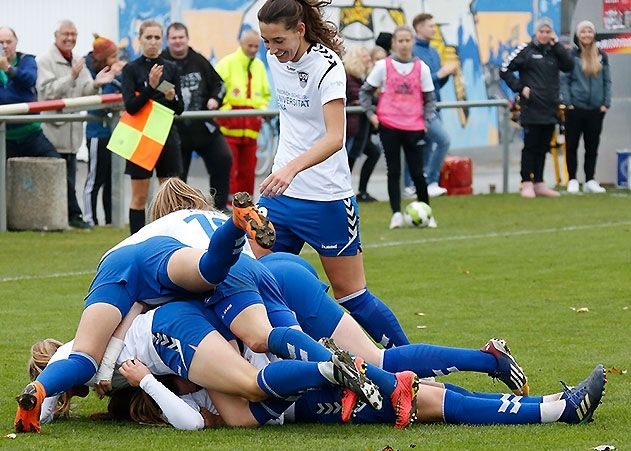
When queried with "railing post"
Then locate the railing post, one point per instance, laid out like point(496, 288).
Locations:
point(505, 146)
point(3, 177)
point(118, 182)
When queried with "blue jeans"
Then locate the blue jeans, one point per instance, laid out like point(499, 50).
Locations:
point(37, 145)
point(436, 146)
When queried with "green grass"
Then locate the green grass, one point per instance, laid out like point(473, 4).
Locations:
point(497, 266)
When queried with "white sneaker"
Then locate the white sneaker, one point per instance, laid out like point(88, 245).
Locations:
point(397, 221)
point(433, 190)
point(572, 186)
point(409, 192)
point(592, 186)
point(432, 224)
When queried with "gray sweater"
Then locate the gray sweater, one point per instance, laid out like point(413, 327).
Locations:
point(586, 92)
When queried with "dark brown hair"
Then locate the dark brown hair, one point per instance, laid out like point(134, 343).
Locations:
point(419, 18)
point(290, 12)
point(177, 26)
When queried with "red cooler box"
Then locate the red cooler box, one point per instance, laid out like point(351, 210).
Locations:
point(456, 175)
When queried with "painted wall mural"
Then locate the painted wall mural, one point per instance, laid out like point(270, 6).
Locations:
point(477, 34)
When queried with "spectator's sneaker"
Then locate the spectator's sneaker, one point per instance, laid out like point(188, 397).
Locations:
point(29, 408)
point(403, 398)
point(365, 197)
point(583, 399)
point(351, 374)
point(592, 186)
point(409, 192)
point(507, 369)
point(77, 222)
point(434, 190)
point(247, 217)
point(572, 186)
point(396, 222)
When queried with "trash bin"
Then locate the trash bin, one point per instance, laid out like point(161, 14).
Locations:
point(623, 180)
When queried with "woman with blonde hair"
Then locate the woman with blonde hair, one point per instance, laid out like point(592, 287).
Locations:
point(586, 92)
point(358, 65)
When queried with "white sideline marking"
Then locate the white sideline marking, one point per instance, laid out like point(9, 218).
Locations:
point(380, 245)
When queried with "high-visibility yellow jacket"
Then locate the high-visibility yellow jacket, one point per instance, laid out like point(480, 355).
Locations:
point(247, 87)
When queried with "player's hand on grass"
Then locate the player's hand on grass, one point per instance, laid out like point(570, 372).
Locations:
point(102, 388)
point(134, 371)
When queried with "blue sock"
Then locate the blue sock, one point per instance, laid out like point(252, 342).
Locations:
point(386, 381)
point(429, 360)
point(287, 378)
point(269, 410)
point(509, 409)
point(223, 251)
point(62, 375)
point(375, 317)
point(475, 394)
point(288, 343)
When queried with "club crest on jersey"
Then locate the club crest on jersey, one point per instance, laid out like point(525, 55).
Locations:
point(303, 77)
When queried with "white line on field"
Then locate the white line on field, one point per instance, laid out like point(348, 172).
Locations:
point(384, 244)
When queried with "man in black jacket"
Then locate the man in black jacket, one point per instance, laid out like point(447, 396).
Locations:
point(202, 89)
point(538, 64)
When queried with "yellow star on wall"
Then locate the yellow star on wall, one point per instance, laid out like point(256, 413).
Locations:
point(356, 13)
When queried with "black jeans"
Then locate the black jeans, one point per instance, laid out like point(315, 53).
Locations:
point(412, 143)
point(37, 145)
point(361, 143)
point(217, 157)
point(533, 156)
point(99, 176)
point(589, 123)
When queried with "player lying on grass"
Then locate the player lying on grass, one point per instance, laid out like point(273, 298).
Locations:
point(185, 406)
point(142, 267)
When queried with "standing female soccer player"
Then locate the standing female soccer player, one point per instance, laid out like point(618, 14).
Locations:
point(308, 195)
point(141, 79)
point(586, 92)
point(405, 104)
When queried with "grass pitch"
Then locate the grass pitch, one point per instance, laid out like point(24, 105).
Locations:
point(496, 266)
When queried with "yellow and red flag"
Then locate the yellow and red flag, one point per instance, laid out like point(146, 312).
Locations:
point(140, 137)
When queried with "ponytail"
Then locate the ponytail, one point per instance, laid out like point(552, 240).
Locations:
point(291, 12)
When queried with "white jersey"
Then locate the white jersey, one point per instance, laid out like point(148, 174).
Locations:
point(192, 228)
point(302, 88)
point(377, 76)
point(139, 345)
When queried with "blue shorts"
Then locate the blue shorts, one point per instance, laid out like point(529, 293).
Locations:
point(136, 272)
point(305, 294)
point(331, 228)
point(248, 283)
point(178, 328)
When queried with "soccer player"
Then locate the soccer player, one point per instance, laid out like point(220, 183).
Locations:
point(308, 195)
point(155, 265)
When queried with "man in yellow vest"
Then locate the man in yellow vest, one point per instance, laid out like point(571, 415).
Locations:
point(247, 87)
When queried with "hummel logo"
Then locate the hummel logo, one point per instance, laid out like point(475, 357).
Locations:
point(331, 246)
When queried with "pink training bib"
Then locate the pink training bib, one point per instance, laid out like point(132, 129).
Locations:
point(400, 106)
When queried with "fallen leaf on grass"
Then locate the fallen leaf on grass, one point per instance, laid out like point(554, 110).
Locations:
point(580, 310)
point(11, 436)
point(421, 327)
point(605, 448)
point(625, 308)
point(420, 313)
point(614, 370)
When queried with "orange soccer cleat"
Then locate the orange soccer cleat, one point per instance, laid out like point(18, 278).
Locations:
point(29, 408)
point(404, 398)
point(247, 217)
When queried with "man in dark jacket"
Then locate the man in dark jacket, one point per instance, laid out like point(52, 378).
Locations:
point(202, 89)
point(18, 75)
point(538, 64)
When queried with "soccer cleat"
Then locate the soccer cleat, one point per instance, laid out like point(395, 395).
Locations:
point(507, 369)
point(248, 218)
point(349, 402)
point(351, 374)
point(583, 399)
point(29, 408)
point(403, 399)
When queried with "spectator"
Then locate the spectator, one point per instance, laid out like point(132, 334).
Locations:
point(141, 79)
point(377, 53)
point(202, 89)
point(104, 54)
point(358, 64)
point(586, 92)
point(247, 88)
point(537, 63)
point(61, 75)
point(405, 103)
point(436, 139)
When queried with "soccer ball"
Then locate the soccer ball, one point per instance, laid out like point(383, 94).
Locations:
point(418, 214)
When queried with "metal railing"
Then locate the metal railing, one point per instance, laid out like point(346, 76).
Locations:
point(118, 211)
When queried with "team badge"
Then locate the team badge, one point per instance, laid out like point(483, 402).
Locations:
point(303, 77)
